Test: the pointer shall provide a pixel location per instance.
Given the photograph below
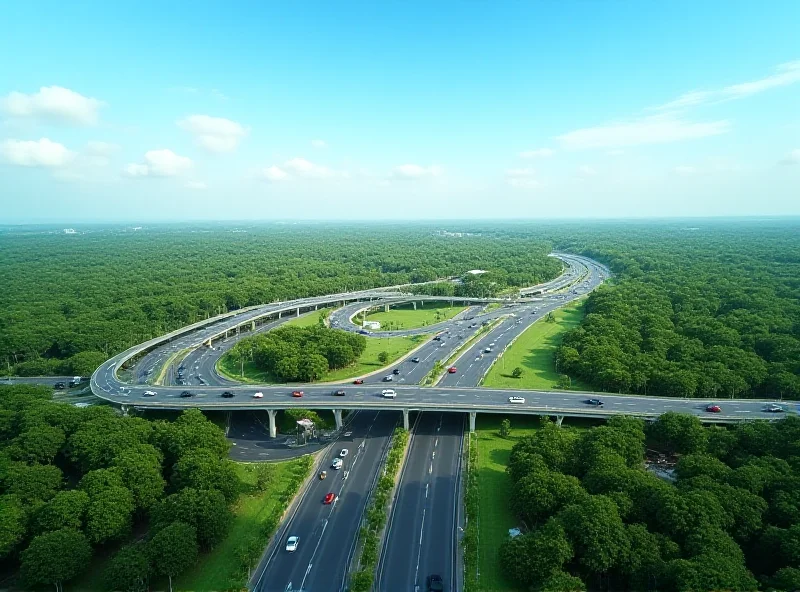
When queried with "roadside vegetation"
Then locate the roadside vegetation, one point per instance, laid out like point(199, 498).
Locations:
point(104, 289)
point(403, 316)
point(592, 516)
point(533, 353)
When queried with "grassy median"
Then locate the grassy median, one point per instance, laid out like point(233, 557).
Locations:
point(533, 352)
point(403, 316)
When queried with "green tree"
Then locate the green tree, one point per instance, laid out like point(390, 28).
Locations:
point(54, 557)
point(505, 428)
point(383, 357)
point(201, 469)
point(561, 582)
point(128, 570)
point(33, 482)
point(205, 510)
point(678, 432)
point(38, 444)
point(596, 532)
point(140, 471)
point(67, 509)
point(172, 550)
point(533, 557)
point(517, 372)
point(109, 515)
point(190, 432)
point(13, 523)
point(564, 382)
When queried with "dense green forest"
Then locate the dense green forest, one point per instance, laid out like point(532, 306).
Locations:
point(69, 301)
point(300, 354)
point(597, 519)
point(704, 309)
point(75, 482)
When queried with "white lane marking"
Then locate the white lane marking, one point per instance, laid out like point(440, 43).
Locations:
point(436, 442)
point(430, 468)
point(419, 550)
point(426, 490)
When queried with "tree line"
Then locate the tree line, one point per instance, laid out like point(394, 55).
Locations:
point(300, 354)
point(71, 301)
point(75, 482)
point(595, 518)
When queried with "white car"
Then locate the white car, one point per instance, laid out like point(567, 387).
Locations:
point(488, 350)
point(388, 378)
point(344, 452)
point(150, 393)
point(258, 396)
point(291, 543)
point(336, 464)
point(516, 400)
point(388, 394)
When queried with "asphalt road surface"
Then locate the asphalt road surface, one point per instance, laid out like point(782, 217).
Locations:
point(422, 535)
point(328, 532)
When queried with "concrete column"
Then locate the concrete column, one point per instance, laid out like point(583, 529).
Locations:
point(279, 314)
point(298, 311)
point(273, 430)
point(451, 304)
point(252, 325)
point(472, 416)
point(559, 420)
point(124, 410)
point(315, 307)
point(386, 308)
point(405, 419)
point(337, 416)
point(415, 305)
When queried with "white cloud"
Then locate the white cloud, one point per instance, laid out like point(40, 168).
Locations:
point(53, 103)
point(36, 153)
point(415, 171)
point(159, 163)
point(792, 158)
point(684, 170)
point(215, 134)
point(586, 171)
point(689, 99)
point(539, 153)
point(303, 168)
point(616, 152)
point(524, 178)
point(97, 148)
point(786, 74)
point(646, 130)
point(319, 143)
point(199, 185)
point(274, 173)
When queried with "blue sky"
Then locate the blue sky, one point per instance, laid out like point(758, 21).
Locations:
point(256, 110)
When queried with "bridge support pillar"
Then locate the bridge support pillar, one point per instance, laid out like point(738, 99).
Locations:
point(405, 419)
point(273, 430)
point(208, 343)
point(472, 416)
point(385, 308)
point(252, 325)
point(451, 304)
point(124, 410)
point(298, 312)
point(559, 420)
point(415, 305)
point(315, 307)
point(337, 416)
point(279, 314)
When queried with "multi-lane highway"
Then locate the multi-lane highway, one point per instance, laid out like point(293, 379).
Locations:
point(422, 531)
point(327, 532)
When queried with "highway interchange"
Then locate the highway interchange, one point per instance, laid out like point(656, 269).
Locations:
point(423, 529)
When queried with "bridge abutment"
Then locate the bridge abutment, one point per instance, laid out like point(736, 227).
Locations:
point(337, 416)
point(472, 416)
point(405, 419)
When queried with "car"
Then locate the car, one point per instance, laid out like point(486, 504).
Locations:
point(415, 360)
point(329, 498)
point(488, 350)
point(595, 402)
point(258, 395)
point(60, 386)
point(336, 463)
point(773, 408)
point(291, 543)
point(358, 381)
point(452, 370)
point(150, 393)
point(339, 393)
point(437, 338)
point(186, 394)
point(435, 583)
point(516, 399)
point(388, 394)
point(713, 408)
point(388, 378)
point(323, 475)
point(443, 345)
point(344, 452)
point(297, 394)
point(396, 371)
point(228, 395)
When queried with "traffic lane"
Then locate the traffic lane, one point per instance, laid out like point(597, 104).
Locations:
point(440, 537)
point(400, 555)
point(315, 522)
point(329, 570)
point(472, 356)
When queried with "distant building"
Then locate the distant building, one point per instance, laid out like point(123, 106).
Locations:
point(69, 231)
point(477, 271)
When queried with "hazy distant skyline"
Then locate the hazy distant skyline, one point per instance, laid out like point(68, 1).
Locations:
point(145, 111)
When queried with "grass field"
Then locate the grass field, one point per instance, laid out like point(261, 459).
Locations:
point(217, 570)
point(494, 514)
point(305, 320)
point(404, 316)
point(533, 352)
point(368, 362)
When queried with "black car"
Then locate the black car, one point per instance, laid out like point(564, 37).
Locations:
point(339, 393)
point(60, 386)
point(395, 371)
point(415, 360)
point(228, 395)
point(437, 338)
point(186, 394)
point(435, 583)
point(595, 402)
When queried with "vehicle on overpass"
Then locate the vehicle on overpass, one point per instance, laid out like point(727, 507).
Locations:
point(150, 393)
point(595, 402)
point(186, 394)
point(358, 381)
point(773, 408)
point(227, 395)
point(258, 395)
point(518, 400)
point(713, 408)
point(388, 394)
point(297, 394)
point(339, 393)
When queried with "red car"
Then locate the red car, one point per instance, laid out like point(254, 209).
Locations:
point(329, 499)
point(297, 393)
point(358, 381)
point(452, 369)
point(713, 408)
